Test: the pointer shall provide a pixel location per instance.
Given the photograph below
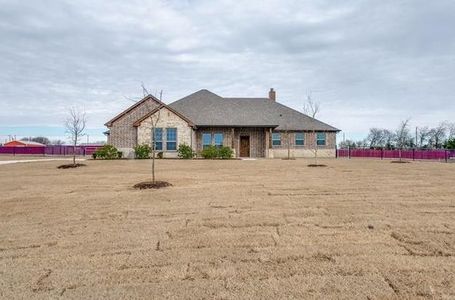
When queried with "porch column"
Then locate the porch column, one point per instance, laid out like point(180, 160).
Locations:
point(233, 142)
point(268, 142)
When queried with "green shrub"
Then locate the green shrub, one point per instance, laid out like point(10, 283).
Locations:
point(211, 152)
point(225, 153)
point(185, 151)
point(106, 152)
point(94, 155)
point(142, 151)
point(119, 154)
point(160, 155)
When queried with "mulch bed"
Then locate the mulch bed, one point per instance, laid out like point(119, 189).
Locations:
point(316, 165)
point(70, 166)
point(150, 185)
point(400, 162)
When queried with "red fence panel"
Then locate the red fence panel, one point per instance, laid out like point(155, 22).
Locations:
point(414, 154)
point(49, 150)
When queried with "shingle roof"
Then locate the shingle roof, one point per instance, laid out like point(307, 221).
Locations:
point(205, 108)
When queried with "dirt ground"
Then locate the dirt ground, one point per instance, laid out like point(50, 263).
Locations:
point(270, 229)
point(20, 157)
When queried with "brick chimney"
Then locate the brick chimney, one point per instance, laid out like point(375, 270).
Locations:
point(272, 95)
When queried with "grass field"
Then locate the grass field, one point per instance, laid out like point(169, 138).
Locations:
point(358, 229)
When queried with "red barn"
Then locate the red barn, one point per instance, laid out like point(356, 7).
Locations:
point(23, 144)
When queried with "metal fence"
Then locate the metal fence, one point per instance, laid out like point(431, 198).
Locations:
point(410, 154)
point(49, 150)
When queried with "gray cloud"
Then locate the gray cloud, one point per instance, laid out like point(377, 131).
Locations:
point(370, 63)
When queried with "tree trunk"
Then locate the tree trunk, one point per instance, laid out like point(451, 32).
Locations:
point(289, 146)
point(74, 153)
point(315, 148)
point(153, 153)
point(153, 165)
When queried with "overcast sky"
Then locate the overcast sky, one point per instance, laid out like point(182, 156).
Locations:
point(369, 63)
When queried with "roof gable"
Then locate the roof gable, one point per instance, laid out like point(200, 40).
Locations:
point(129, 109)
point(138, 122)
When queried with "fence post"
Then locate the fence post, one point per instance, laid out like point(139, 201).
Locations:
point(349, 152)
point(413, 154)
point(382, 153)
point(446, 155)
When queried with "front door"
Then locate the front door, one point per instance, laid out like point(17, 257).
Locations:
point(244, 146)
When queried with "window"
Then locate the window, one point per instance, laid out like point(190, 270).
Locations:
point(158, 139)
point(218, 139)
point(206, 140)
point(171, 139)
point(276, 139)
point(320, 138)
point(299, 139)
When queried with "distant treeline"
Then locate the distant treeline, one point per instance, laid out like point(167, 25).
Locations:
point(439, 137)
point(43, 140)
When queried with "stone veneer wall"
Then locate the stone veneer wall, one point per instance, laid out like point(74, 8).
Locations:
point(307, 150)
point(231, 138)
point(122, 133)
point(185, 134)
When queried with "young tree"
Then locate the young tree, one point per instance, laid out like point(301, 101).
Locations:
point(312, 108)
point(403, 136)
point(154, 120)
point(75, 127)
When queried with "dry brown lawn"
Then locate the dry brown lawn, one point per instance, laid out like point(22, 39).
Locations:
point(270, 229)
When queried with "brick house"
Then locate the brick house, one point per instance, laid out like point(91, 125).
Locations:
point(252, 127)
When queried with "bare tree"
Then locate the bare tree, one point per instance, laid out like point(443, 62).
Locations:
point(438, 135)
point(39, 139)
point(402, 136)
point(376, 137)
point(451, 130)
point(312, 108)
point(348, 144)
point(389, 138)
point(154, 120)
point(57, 142)
point(423, 136)
point(75, 127)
